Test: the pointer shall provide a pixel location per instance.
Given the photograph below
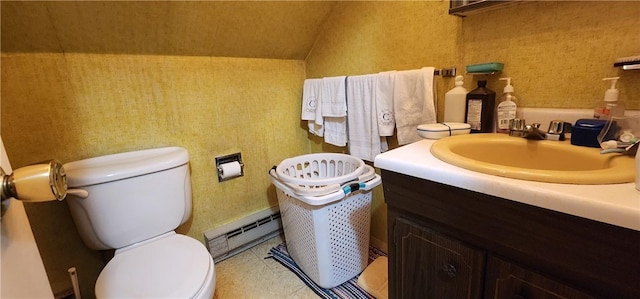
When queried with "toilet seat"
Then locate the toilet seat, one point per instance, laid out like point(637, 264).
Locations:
point(169, 266)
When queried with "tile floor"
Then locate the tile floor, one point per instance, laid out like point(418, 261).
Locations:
point(250, 275)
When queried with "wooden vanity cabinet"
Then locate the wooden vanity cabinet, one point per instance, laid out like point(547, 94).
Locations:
point(447, 242)
point(454, 270)
point(510, 281)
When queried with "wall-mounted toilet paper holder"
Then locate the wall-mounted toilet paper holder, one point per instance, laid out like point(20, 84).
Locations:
point(229, 167)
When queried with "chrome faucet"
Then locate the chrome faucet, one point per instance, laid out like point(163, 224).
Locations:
point(557, 128)
point(533, 132)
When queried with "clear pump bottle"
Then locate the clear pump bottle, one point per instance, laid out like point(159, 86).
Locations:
point(612, 107)
point(506, 109)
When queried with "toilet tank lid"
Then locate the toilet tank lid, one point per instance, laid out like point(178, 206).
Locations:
point(123, 165)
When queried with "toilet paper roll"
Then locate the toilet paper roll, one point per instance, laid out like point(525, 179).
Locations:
point(230, 170)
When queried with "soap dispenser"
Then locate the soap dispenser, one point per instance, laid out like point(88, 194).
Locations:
point(612, 107)
point(506, 109)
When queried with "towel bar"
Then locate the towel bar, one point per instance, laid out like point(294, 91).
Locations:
point(448, 72)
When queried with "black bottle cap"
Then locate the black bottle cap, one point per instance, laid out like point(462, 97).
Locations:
point(482, 83)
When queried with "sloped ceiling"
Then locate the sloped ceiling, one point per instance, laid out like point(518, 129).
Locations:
point(253, 29)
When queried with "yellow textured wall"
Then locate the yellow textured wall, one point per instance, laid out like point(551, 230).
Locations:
point(368, 37)
point(556, 52)
point(260, 29)
point(75, 106)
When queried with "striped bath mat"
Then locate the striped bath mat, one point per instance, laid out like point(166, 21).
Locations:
point(347, 290)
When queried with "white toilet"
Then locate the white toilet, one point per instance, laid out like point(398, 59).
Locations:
point(135, 201)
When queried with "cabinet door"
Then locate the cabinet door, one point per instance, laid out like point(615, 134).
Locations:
point(430, 265)
point(508, 281)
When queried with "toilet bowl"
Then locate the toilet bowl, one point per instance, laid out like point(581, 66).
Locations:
point(169, 266)
point(132, 202)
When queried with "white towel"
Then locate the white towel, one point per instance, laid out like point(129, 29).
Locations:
point(413, 102)
point(364, 139)
point(384, 103)
point(333, 96)
point(335, 130)
point(310, 95)
point(318, 122)
point(333, 100)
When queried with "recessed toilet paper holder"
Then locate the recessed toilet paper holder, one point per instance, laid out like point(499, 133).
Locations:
point(229, 159)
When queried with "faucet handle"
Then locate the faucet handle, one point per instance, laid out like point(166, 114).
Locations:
point(517, 127)
point(516, 124)
point(559, 127)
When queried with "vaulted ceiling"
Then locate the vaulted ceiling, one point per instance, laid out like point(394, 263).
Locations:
point(254, 29)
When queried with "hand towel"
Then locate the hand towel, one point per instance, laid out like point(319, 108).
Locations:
point(318, 122)
point(333, 100)
point(364, 139)
point(310, 95)
point(333, 96)
point(335, 130)
point(384, 103)
point(413, 102)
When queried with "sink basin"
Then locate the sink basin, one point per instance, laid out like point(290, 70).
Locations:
point(543, 161)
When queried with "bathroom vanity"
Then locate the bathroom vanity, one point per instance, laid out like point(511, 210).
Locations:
point(456, 233)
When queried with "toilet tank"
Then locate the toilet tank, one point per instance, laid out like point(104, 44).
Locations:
point(133, 196)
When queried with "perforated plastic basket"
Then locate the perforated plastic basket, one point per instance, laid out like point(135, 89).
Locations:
point(318, 178)
point(328, 235)
point(316, 170)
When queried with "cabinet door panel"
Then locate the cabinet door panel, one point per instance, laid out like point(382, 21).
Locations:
point(434, 266)
point(508, 281)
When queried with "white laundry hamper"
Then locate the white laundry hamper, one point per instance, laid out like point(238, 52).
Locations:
point(325, 203)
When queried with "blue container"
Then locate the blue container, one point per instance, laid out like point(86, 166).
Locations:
point(585, 132)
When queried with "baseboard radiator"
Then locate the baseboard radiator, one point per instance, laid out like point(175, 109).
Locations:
point(235, 237)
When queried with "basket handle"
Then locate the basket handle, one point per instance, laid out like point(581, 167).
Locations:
point(319, 200)
point(361, 183)
point(353, 187)
point(305, 191)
